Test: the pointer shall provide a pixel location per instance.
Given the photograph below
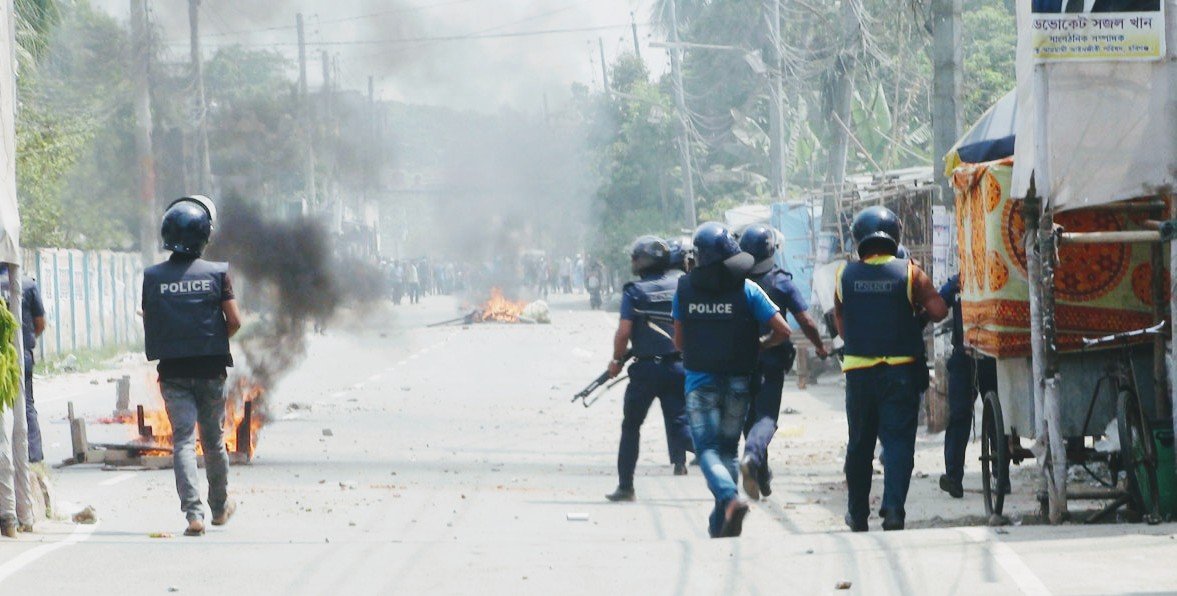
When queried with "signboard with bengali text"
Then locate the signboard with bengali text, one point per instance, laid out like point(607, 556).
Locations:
point(1097, 30)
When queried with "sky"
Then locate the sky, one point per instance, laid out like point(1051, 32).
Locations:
point(443, 66)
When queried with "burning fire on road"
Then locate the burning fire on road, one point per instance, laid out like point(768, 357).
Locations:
point(500, 309)
point(152, 429)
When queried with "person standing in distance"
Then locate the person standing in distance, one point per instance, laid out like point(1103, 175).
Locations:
point(656, 371)
point(717, 319)
point(189, 314)
point(32, 325)
point(762, 242)
point(878, 306)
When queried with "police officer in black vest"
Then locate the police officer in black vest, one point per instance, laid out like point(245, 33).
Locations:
point(189, 314)
point(966, 377)
point(657, 371)
point(762, 242)
point(880, 307)
point(718, 315)
point(682, 253)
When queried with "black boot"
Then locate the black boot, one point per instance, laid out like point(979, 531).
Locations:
point(855, 526)
point(680, 469)
point(892, 521)
point(765, 480)
point(621, 494)
point(951, 486)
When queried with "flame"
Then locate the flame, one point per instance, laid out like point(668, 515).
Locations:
point(501, 309)
point(241, 391)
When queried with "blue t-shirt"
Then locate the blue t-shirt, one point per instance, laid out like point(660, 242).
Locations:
point(762, 309)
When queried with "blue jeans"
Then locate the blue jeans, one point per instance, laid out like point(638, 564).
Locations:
point(36, 451)
point(767, 385)
point(882, 405)
point(716, 412)
point(648, 380)
point(966, 377)
point(190, 402)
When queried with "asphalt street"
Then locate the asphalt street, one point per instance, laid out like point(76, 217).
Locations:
point(408, 460)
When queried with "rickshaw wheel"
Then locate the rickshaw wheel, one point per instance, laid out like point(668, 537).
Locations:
point(994, 455)
point(1139, 455)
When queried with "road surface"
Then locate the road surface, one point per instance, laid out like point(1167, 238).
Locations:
point(456, 465)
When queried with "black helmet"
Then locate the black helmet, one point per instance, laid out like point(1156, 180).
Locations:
point(715, 243)
point(649, 254)
point(682, 253)
point(188, 224)
point(876, 228)
point(761, 241)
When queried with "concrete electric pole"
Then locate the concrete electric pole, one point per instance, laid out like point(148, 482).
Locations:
point(205, 182)
point(946, 79)
point(144, 157)
point(684, 141)
point(308, 129)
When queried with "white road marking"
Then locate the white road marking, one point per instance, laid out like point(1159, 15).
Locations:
point(1009, 560)
point(80, 533)
point(116, 479)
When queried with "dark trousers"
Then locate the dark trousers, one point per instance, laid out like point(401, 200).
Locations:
point(767, 385)
point(966, 377)
point(649, 380)
point(36, 452)
point(881, 405)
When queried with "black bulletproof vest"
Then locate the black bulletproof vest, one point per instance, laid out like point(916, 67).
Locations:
point(653, 328)
point(182, 315)
point(877, 316)
point(721, 332)
point(772, 283)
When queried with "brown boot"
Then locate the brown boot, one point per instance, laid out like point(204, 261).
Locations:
point(222, 518)
point(195, 527)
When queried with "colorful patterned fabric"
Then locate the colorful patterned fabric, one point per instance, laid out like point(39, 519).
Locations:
point(1099, 288)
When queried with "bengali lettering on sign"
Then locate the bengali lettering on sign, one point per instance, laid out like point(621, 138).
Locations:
point(1097, 30)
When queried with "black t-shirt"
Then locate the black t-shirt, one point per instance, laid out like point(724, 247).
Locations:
point(199, 367)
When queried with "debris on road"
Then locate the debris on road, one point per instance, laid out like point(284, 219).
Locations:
point(347, 484)
point(842, 586)
point(86, 516)
point(577, 516)
point(327, 433)
point(160, 535)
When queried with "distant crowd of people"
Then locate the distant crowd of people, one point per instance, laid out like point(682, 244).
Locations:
point(414, 278)
point(567, 275)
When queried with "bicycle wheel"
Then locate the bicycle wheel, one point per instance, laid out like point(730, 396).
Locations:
point(1139, 455)
point(994, 455)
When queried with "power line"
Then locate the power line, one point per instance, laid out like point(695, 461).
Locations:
point(443, 38)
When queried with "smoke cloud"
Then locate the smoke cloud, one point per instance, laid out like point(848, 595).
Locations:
point(291, 268)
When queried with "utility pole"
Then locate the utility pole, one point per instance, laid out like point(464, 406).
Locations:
point(604, 65)
point(205, 182)
point(304, 101)
point(680, 101)
point(840, 120)
point(777, 110)
point(633, 26)
point(140, 72)
point(946, 78)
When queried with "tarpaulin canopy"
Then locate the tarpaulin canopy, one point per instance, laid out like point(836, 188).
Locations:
point(1111, 127)
point(990, 138)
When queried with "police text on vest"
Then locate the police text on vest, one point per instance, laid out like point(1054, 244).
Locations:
point(186, 286)
point(724, 308)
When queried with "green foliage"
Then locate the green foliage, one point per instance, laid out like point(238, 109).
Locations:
point(990, 50)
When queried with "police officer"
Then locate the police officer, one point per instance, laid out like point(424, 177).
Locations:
point(682, 253)
point(879, 303)
point(762, 242)
point(189, 314)
point(966, 376)
point(717, 319)
point(657, 370)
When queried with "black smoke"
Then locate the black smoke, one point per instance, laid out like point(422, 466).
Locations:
point(288, 270)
